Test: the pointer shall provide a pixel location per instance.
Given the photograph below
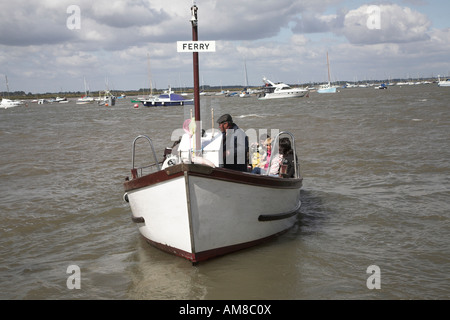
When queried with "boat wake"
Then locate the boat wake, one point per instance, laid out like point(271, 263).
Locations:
point(251, 115)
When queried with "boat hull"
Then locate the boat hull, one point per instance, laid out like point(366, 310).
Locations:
point(153, 103)
point(198, 212)
point(293, 94)
point(327, 90)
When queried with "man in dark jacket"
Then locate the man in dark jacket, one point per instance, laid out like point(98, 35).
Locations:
point(234, 144)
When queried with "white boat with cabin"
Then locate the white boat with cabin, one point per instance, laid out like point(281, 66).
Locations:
point(61, 100)
point(443, 83)
point(191, 207)
point(279, 90)
point(8, 103)
point(108, 99)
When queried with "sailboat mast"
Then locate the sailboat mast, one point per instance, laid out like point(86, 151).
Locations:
point(149, 74)
point(7, 85)
point(328, 65)
point(194, 22)
point(246, 77)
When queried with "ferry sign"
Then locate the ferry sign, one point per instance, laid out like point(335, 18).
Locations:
point(196, 46)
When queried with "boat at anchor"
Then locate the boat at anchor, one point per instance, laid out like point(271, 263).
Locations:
point(443, 83)
point(168, 98)
point(8, 103)
point(191, 206)
point(327, 88)
point(279, 90)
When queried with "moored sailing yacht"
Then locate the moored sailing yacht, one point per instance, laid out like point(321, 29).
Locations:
point(6, 103)
point(86, 99)
point(245, 93)
point(192, 207)
point(327, 88)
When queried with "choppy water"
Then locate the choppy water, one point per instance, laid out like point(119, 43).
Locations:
point(376, 192)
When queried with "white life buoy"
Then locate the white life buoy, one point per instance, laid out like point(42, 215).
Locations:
point(171, 160)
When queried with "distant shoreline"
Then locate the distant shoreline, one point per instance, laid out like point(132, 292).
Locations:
point(21, 95)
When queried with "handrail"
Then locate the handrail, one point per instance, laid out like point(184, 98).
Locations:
point(153, 150)
point(296, 173)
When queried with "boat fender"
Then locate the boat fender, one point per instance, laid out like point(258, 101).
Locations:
point(170, 161)
point(200, 160)
point(125, 197)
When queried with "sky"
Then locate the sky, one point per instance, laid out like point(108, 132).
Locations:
point(52, 46)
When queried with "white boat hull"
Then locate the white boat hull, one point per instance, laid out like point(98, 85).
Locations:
point(85, 100)
point(276, 95)
point(199, 212)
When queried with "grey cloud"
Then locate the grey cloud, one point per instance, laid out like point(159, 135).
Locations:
point(22, 27)
point(125, 15)
point(398, 25)
point(311, 22)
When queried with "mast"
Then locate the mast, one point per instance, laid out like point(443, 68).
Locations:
point(85, 87)
point(149, 74)
point(7, 85)
point(328, 65)
point(246, 77)
point(194, 22)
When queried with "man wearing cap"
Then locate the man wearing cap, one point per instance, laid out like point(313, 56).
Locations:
point(234, 144)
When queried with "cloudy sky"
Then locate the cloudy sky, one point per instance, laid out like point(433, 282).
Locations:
point(51, 46)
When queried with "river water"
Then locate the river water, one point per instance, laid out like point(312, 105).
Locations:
point(374, 223)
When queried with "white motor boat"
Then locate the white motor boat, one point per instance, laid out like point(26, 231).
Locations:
point(443, 83)
point(8, 103)
point(61, 100)
point(194, 209)
point(273, 90)
point(191, 207)
point(108, 99)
